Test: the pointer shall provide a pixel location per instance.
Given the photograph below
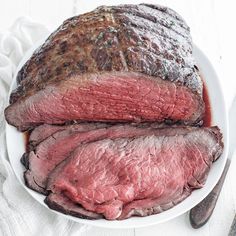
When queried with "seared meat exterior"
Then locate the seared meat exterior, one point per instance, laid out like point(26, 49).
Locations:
point(121, 63)
point(145, 175)
point(65, 205)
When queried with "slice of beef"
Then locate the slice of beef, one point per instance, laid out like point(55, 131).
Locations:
point(111, 97)
point(137, 176)
point(53, 150)
point(36, 136)
point(42, 132)
point(49, 153)
point(60, 202)
point(121, 63)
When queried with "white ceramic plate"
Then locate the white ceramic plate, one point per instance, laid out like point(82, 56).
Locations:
point(16, 147)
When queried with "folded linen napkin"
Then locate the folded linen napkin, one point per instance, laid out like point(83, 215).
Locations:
point(20, 214)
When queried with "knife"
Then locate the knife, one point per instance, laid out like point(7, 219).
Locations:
point(201, 213)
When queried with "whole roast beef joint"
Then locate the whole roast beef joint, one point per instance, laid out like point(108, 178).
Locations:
point(129, 63)
point(113, 106)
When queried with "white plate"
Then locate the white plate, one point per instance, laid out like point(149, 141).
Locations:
point(16, 147)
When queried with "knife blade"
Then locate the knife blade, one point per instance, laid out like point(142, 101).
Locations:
point(201, 213)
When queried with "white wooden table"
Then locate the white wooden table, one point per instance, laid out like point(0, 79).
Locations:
point(213, 29)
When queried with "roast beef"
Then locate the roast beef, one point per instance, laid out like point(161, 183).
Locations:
point(42, 132)
point(44, 157)
point(113, 103)
point(139, 176)
point(49, 153)
point(121, 63)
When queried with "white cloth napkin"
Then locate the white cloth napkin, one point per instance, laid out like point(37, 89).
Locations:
point(20, 214)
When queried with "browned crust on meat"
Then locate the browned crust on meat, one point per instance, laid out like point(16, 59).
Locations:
point(145, 38)
point(215, 130)
point(81, 213)
point(30, 183)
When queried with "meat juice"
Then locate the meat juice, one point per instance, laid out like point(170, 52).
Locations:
point(207, 116)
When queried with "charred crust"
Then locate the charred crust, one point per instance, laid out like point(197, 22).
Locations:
point(102, 40)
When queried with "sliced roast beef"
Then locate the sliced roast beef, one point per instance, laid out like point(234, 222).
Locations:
point(137, 176)
point(122, 63)
point(53, 150)
point(110, 98)
point(49, 153)
point(42, 132)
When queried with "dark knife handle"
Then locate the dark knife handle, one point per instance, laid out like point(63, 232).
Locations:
point(202, 212)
